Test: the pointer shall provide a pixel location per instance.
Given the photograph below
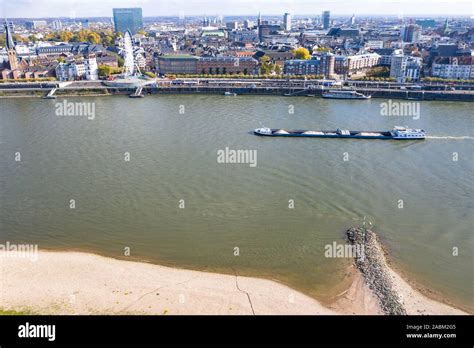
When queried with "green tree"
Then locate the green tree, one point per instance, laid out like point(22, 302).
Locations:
point(120, 61)
point(107, 40)
point(379, 71)
point(3, 41)
point(323, 49)
point(302, 53)
point(104, 70)
point(265, 65)
point(150, 74)
point(277, 69)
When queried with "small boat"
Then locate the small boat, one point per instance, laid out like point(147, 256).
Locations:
point(343, 94)
point(310, 95)
point(230, 94)
point(397, 133)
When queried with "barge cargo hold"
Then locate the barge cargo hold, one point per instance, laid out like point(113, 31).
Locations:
point(344, 94)
point(397, 133)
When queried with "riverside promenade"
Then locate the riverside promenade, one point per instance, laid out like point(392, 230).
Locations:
point(278, 87)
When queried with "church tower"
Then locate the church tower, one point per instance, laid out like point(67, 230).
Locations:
point(446, 26)
point(12, 57)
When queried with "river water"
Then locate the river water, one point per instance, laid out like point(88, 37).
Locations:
point(417, 194)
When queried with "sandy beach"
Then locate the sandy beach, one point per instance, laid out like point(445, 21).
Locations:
point(80, 283)
point(416, 303)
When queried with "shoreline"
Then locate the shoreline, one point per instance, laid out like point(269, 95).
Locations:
point(281, 91)
point(419, 287)
point(83, 283)
point(461, 99)
point(72, 282)
point(395, 293)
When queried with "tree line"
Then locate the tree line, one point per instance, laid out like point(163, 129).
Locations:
point(105, 37)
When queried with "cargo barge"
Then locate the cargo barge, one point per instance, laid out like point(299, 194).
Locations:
point(343, 94)
point(397, 133)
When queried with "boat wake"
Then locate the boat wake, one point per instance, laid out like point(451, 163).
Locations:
point(451, 138)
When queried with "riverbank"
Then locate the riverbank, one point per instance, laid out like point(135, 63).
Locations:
point(235, 87)
point(80, 283)
point(395, 295)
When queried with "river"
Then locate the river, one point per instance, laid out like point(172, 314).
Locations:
point(143, 174)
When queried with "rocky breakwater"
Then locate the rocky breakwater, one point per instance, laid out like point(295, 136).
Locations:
point(373, 265)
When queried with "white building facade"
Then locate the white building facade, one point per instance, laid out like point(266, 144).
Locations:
point(83, 69)
point(91, 68)
point(453, 71)
point(405, 67)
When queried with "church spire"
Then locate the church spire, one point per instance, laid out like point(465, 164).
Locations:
point(446, 26)
point(12, 58)
point(9, 37)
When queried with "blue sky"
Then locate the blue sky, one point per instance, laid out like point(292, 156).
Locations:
point(96, 8)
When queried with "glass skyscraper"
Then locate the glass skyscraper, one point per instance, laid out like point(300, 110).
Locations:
point(326, 19)
point(128, 19)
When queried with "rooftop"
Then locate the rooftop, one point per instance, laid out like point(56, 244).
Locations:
point(178, 56)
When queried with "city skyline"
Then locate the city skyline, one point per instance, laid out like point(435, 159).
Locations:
point(90, 8)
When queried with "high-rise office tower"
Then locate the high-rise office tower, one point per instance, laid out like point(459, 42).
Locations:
point(128, 19)
point(326, 18)
point(411, 33)
point(287, 21)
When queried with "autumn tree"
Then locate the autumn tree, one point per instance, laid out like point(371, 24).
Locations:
point(265, 65)
point(277, 69)
point(66, 36)
point(51, 36)
point(93, 38)
point(302, 53)
point(19, 38)
point(81, 36)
